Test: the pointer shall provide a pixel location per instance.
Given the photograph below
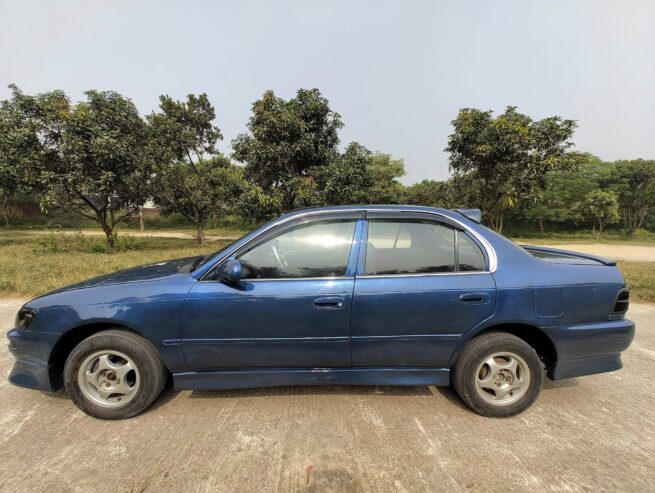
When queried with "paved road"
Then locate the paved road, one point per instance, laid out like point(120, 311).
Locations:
point(590, 434)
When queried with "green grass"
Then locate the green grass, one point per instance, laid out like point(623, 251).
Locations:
point(640, 278)
point(32, 264)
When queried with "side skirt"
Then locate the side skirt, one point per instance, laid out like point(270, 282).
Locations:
point(278, 377)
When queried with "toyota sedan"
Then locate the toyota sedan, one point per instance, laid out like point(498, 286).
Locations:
point(357, 295)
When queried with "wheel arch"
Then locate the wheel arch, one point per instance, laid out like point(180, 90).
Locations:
point(531, 334)
point(72, 338)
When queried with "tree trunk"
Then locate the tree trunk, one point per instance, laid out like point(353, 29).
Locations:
point(201, 234)
point(540, 222)
point(5, 209)
point(109, 233)
point(142, 225)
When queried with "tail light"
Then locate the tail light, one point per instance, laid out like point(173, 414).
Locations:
point(621, 304)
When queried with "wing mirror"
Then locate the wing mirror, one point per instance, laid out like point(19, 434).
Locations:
point(229, 271)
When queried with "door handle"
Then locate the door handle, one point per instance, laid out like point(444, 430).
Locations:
point(333, 302)
point(474, 298)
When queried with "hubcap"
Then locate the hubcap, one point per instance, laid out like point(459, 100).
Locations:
point(108, 378)
point(502, 378)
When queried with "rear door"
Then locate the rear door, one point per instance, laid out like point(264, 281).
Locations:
point(421, 284)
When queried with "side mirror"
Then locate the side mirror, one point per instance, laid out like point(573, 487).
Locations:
point(229, 271)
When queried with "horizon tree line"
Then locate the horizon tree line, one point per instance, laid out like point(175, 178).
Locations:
point(101, 159)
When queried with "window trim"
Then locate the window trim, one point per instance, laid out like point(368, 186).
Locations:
point(280, 228)
point(363, 212)
point(400, 215)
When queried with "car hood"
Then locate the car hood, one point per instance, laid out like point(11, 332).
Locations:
point(149, 272)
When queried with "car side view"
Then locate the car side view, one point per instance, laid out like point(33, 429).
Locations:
point(370, 295)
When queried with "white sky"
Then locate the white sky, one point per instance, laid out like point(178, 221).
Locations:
point(397, 72)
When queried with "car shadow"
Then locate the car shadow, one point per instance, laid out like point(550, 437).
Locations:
point(559, 384)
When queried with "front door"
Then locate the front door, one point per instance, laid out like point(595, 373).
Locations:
point(421, 285)
point(291, 308)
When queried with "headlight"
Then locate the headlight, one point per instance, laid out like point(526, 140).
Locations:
point(24, 318)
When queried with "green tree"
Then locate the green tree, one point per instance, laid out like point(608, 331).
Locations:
point(19, 148)
point(93, 157)
point(346, 180)
point(385, 171)
point(432, 193)
point(506, 158)
point(634, 185)
point(563, 189)
point(192, 178)
point(207, 189)
point(287, 140)
point(601, 208)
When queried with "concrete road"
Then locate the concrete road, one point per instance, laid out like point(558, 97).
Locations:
point(590, 434)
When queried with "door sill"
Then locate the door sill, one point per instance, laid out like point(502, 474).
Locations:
point(278, 377)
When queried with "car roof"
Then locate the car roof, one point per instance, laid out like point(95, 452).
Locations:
point(453, 213)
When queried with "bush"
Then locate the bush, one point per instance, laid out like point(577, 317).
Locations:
point(58, 242)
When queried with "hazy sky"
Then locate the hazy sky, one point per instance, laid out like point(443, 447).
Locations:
point(397, 72)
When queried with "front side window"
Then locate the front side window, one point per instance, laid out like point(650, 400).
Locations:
point(412, 246)
point(315, 249)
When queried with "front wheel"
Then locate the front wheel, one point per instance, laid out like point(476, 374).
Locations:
point(113, 374)
point(498, 375)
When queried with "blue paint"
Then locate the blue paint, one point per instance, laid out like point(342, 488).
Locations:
point(355, 329)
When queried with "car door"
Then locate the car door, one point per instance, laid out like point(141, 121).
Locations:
point(421, 284)
point(290, 309)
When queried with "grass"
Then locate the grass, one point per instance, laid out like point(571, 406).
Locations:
point(32, 264)
point(640, 278)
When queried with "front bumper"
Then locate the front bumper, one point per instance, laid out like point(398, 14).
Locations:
point(590, 348)
point(32, 352)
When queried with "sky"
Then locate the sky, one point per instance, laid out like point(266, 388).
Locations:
point(397, 72)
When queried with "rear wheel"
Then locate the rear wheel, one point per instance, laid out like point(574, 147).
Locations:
point(498, 375)
point(114, 374)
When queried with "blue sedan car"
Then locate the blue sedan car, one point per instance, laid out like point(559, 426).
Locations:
point(371, 295)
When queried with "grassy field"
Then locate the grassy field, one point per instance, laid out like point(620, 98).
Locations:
point(32, 264)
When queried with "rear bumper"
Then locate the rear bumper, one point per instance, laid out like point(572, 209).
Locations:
point(589, 349)
point(32, 352)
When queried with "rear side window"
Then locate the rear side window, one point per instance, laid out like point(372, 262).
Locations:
point(470, 258)
point(409, 247)
point(415, 246)
point(316, 249)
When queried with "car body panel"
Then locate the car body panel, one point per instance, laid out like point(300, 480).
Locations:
point(402, 330)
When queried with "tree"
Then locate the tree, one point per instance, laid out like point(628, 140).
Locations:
point(634, 184)
point(178, 188)
point(287, 140)
point(344, 181)
point(89, 157)
point(432, 193)
point(506, 159)
point(19, 148)
point(563, 189)
point(601, 207)
point(385, 171)
point(192, 177)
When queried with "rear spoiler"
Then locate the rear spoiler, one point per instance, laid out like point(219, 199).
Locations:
point(569, 253)
point(472, 214)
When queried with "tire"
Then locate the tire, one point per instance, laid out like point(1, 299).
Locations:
point(498, 375)
point(114, 374)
